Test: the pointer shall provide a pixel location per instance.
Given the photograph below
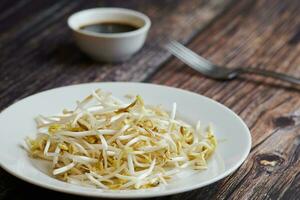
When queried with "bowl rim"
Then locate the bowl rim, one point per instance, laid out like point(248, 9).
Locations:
point(143, 29)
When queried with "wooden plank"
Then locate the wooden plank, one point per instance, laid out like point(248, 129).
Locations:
point(37, 53)
point(261, 34)
point(15, 14)
point(252, 34)
point(48, 58)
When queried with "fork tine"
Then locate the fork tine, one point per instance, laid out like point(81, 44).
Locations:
point(187, 56)
point(191, 53)
point(182, 57)
point(189, 60)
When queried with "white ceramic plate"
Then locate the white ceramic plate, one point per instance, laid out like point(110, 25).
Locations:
point(17, 122)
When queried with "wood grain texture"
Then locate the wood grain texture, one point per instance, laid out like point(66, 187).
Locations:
point(37, 53)
point(258, 34)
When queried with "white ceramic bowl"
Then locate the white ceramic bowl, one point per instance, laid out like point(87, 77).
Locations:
point(109, 47)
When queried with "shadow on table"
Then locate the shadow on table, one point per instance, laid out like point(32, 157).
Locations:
point(258, 80)
point(13, 188)
point(66, 53)
point(277, 84)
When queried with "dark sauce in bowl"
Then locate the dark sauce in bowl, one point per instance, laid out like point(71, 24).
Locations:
point(109, 27)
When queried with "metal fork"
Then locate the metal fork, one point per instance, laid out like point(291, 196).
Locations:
point(211, 70)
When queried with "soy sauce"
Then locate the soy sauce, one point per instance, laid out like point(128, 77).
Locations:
point(109, 27)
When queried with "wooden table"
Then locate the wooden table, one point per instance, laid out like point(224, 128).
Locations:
point(38, 53)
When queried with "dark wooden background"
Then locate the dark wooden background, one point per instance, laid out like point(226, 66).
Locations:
point(38, 53)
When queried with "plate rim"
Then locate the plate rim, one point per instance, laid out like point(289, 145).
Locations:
point(121, 195)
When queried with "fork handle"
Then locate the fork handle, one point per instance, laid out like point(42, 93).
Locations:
point(272, 74)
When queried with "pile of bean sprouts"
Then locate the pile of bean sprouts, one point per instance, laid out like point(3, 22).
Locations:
point(108, 144)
